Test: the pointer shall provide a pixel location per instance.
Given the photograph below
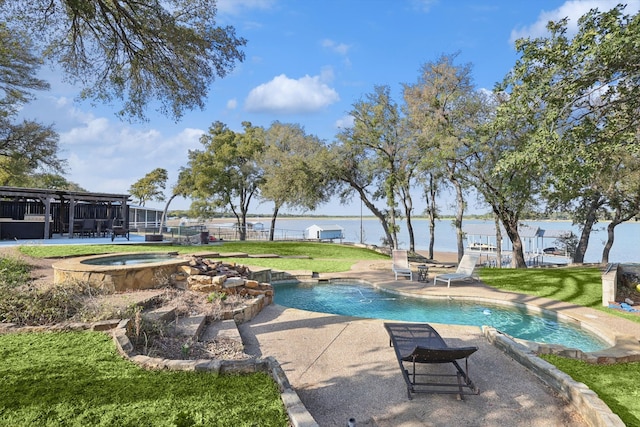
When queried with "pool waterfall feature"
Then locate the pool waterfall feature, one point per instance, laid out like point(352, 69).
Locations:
point(122, 271)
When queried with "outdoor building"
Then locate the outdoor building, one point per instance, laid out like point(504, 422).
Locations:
point(325, 232)
point(143, 218)
point(37, 213)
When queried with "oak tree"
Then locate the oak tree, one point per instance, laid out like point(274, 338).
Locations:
point(163, 53)
point(226, 171)
point(295, 168)
point(150, 187)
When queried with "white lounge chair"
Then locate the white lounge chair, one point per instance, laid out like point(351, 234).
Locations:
point(466, 270)
point(400, 264)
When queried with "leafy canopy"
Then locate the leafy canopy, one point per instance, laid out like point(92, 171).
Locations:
point(135, 51)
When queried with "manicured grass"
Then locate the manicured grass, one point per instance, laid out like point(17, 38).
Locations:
point(576, 285)
point(616, 385)
point(579, 285)
point(78, 379)
point(319, 257)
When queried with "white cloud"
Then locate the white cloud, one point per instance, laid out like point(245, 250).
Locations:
point(423, 5)
point(285, 95)
point(89, 131)
point(340, 48)
point(572, 10)
point(344, 122)
point(233, 7)
point(109, 156)
point(232, 104)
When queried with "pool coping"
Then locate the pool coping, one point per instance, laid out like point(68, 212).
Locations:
point(626, 348)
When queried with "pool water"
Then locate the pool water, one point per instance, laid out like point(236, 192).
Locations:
point(130, 259)
point(360, 300)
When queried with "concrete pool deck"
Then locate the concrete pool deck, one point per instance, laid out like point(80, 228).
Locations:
point(612, 328)
point(343, 367)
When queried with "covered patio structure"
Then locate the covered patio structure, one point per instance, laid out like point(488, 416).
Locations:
point(37, 213)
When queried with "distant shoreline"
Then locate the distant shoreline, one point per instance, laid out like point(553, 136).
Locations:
point(369, 217)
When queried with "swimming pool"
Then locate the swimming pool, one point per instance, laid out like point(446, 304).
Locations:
point(130, 259)
point(120, 272)
point(361, 300)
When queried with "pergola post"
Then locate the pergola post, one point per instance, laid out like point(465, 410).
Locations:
point(47, 216)
point(72, 215)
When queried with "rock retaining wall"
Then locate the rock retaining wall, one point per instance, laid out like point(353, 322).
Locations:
point(209, 276)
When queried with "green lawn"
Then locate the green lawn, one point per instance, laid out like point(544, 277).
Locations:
point(319, 257)
point(576, 285)
point(616, 385)
point(78, 379)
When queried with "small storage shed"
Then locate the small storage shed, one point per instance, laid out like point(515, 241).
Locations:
point(325, 232)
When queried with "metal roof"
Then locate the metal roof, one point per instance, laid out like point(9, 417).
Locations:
point(40, 193)
point(326, 227)
point(526, 231)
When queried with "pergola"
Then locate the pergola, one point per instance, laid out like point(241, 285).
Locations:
point(34, 206)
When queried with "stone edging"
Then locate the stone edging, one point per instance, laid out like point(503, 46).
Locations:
point(585, 400)
point(298, 414)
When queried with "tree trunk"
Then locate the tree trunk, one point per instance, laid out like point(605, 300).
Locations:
point(243, 228)
point(375, 211)
point(609, 244)
point(583, 242)
point(431, 209)
point(408, 207)
point(498, 242)
point(432, 235)
point(590, 220)
point(378, 214)
point(617, 219)
point(163, 219)
point(393, 227)
point(272, 229)
point(458, 219)
point(511, 226)
point(242, 222)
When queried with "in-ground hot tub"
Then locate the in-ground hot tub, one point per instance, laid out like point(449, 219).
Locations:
point(120, 272)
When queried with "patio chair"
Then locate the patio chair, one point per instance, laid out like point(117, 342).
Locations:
point(88, 228)
point(400, 264)
point(466, 270)
point(419, 343)
point(118, 229)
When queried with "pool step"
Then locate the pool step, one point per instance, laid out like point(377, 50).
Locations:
point(191, 326)
point(160, 314)
point(222, 329)
point(195, 327)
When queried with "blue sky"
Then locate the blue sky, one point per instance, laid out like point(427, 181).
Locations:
point(307, 62)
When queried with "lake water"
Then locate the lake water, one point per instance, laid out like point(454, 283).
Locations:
point(624, 250)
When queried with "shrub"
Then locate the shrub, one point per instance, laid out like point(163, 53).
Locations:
point(13, 272)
